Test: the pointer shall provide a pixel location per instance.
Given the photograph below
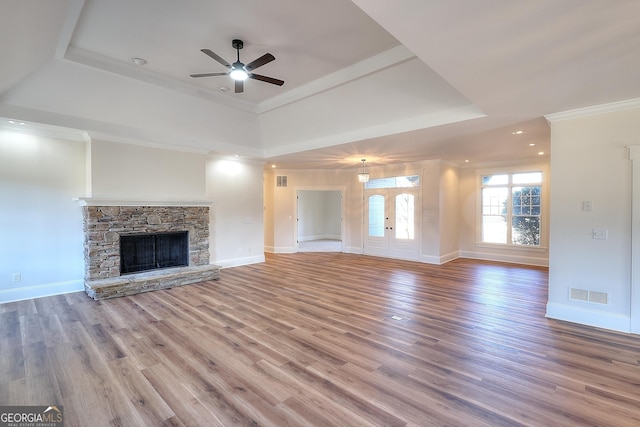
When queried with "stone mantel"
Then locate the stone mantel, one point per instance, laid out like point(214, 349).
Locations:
point(95, 201)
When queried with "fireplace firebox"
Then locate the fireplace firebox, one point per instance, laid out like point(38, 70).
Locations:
point(150, 251)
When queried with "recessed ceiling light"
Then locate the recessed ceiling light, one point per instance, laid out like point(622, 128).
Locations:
point(532, 144)
point(466, 161)
point(540, 153)
point(139, 61)
point(517, 132)
point(273, 166)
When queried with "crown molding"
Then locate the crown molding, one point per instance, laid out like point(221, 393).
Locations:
point(38, 129)
point(594, 110)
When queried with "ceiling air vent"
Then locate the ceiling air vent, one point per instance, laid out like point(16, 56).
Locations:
point(281, 181)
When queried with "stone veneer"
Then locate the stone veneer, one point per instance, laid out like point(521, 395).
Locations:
point(103, 226)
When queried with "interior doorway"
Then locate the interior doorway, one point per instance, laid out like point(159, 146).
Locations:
point(319, 221)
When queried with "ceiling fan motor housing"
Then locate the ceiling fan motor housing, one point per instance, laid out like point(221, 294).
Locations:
point(237, 44)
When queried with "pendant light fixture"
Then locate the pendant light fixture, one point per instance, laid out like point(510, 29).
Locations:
point(363, 176)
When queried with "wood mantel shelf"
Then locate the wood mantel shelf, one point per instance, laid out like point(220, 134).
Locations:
point(96, 201)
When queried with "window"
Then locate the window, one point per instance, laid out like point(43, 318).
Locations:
point(511, 208)
point(394, 182)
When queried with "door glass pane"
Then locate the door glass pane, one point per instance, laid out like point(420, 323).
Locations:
point(376, 216)
point(405, 224)
point(494, 214)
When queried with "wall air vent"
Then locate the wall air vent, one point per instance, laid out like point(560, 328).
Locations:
point(589, 296)
point(281, 181)
point(579, 294)
point(598, 297)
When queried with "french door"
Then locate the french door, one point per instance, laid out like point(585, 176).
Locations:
point(390, 223)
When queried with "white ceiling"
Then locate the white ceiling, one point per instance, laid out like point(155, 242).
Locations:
point(389, 81)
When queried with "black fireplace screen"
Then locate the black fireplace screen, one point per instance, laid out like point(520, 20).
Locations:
point(141, 252)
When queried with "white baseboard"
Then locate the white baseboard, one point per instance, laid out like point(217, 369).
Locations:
point(236, 262)
point(319, 237)
point(428, 259)
point(439, 260)
point(39, 291)
point(284, 250)
point(352, 250)
point(511, 258)
point(599, 319)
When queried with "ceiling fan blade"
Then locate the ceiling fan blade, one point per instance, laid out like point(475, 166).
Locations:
point(239, 86)
point(266, 79)
point(264, 59)
point(215, 56)
point(208, 74)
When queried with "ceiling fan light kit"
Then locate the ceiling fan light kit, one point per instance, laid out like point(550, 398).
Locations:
point(238, 71)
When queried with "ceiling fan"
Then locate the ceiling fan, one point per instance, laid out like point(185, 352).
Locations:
point(238, 71)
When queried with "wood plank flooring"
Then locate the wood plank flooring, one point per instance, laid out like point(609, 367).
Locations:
point(323, 339)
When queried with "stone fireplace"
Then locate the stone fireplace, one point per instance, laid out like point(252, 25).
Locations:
point(107, 223)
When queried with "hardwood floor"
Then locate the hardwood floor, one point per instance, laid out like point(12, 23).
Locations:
point(323, 339)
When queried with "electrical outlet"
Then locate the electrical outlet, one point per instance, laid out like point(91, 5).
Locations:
point(600, 234)
point(16, 277)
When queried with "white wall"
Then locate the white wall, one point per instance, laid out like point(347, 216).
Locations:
point(430, 181)
point(450, 208)
point(236, 188)
point(133, 172)
point(41, 234)
point(591, 163)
